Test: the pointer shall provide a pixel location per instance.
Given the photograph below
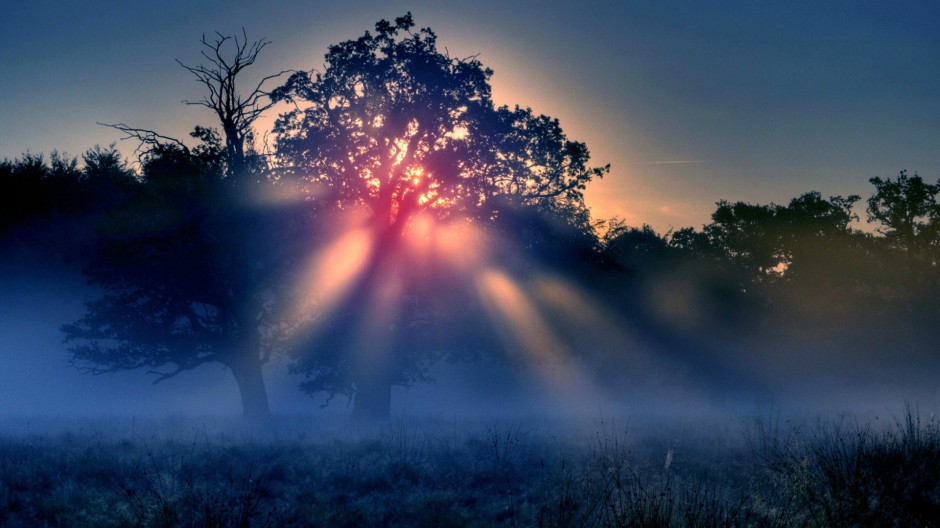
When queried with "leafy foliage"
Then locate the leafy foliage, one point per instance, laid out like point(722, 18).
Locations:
point(397, 127)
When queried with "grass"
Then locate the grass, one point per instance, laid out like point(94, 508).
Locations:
point(429, 473)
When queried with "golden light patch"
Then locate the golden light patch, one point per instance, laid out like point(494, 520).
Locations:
point(520, 321)
point(332, 272)
point(507, 303)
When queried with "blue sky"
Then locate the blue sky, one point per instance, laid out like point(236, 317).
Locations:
point(761, 101)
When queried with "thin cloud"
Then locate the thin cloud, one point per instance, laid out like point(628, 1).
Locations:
point(668, 162)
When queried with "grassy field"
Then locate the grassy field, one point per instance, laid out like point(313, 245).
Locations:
point(603, 472)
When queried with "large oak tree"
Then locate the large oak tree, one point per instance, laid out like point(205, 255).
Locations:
point(397, 128)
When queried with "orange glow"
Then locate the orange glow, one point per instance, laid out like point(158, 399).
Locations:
point(419, 235)
point(380, 316)
point(456, 242)
point(566, 299)
point(506, 301)
point(414, 174)
point(285, 192)
point(333, 271)
point(462, 244)
point(520, 322)
point(578, 312)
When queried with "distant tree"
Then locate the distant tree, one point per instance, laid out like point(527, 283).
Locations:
point(765, 242)
point(51, 207)
point(23, 199)
point(747, 234)
point(908, 215)
point(634, 248)
point(812, 231)
point(831, 270)
point(907, 212)
point(38, 189)
point(771, 251)
point(107, 178)
point(397, 127)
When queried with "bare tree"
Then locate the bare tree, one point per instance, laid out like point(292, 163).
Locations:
point(184, 290)
point(228, 56)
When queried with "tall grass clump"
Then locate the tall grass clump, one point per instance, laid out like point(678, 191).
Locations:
point(855, 475)
point(614, 487)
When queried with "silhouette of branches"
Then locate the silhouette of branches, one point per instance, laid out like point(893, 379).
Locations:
point(236, 111)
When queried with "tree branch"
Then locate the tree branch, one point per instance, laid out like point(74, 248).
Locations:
point(145, 137)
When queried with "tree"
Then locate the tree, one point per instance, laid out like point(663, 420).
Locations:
point(401, 130)
point(746, 234)
point(777, 261)
point(634, 248)
point(50, 208)
point(179, 289)
point(236, 111)
point(908, 213)
point(228, 56)
point(107, 177)
point(189, 266)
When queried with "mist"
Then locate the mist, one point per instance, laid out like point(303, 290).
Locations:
point(650, 375)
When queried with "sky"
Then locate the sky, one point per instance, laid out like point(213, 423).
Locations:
point(689, 102)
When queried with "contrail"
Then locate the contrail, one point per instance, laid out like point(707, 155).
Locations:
point(669, 162)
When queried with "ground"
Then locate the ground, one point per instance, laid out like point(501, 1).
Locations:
point(624, 471)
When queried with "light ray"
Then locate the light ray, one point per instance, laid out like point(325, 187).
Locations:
point(332, 272)
point(521, 323)
point(588, 318)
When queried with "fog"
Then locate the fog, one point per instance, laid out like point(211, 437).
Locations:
point(38, 380)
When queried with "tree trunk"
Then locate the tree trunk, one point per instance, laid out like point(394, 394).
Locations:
point(250, 382)
point(373, 399)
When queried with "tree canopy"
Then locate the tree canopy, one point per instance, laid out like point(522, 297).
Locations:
point(399, 128)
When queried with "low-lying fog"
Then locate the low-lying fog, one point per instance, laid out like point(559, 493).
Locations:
point(38, 381)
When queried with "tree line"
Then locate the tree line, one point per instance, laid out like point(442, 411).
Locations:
point(214, 250)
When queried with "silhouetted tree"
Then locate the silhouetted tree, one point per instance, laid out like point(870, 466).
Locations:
point(50, 209)
point(755, 268)
point(189, 274)
point(190, 264)
point(25, 182)
point(236, 111)
point(107, 178)
point(908, 213)
point(401, 129)
point(227, 56)
point(634, 248)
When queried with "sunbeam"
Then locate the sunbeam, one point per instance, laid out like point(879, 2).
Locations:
point(332, 272)
point(521, 324)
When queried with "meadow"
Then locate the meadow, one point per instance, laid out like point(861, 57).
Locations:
point(767, 471)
